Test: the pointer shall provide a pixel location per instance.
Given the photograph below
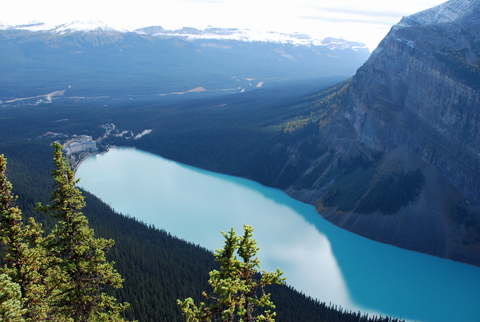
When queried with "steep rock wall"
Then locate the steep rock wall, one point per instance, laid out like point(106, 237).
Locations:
point(405, 95)
point(416, 98)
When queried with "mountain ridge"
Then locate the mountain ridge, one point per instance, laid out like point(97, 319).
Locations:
point(191, 34)
point(448, 12)
point(135, 63)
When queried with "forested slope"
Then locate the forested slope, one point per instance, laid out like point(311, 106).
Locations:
point(158, 268)
point(285, 138)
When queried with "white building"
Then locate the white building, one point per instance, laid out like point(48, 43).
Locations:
point(85, 144)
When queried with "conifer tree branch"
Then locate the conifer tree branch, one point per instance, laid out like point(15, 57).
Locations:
point(235, 284)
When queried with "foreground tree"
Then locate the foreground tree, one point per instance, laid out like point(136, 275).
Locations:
point(24, 253)
point(236, 284)
point(11, 303)
point(78, 268)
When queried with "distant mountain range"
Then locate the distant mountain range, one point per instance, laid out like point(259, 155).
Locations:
point(37, 59)
point(245, 35)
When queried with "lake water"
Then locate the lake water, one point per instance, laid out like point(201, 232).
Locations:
point(318, 258)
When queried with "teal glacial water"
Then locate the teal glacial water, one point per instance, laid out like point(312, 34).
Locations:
point(318, 258)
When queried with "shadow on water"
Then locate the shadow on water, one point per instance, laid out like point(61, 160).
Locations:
point(384, 276)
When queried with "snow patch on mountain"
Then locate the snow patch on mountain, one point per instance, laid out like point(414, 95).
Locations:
point(447, 12)
point(247, 35)
point(83, 26)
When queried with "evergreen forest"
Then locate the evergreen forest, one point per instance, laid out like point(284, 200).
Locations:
point(225, 134)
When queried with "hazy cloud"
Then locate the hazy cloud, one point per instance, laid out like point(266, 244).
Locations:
point(366, 13)
point(206, 1)
point(350, 20)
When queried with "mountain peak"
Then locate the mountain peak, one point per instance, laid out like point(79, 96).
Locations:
point(248, 35)
point(448, 12)
point(77, 25)
point(192, 34)
point(84, 26)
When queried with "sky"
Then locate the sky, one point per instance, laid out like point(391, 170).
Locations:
point(366, 21)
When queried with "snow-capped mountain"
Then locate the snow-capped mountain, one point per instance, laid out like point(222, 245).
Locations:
point(447, 12)
point(97, 59)
point(83, 26)
point(74, 26)
point(247, 35)
point(191, 34)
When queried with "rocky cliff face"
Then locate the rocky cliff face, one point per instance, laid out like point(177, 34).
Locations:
point(403, 149)
point(421, 88)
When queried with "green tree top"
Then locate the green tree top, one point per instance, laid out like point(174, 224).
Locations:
point(24, 252)
point(236, 284)
point(11, 302)
point(79, 270)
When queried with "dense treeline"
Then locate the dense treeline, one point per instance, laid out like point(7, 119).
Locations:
point(357, 190)
point(391, 193)
point(159, 268)
point(58, 275)
point(232, 135)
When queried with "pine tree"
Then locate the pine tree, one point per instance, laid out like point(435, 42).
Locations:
point(236, 284)
point(78, 269)
point(11, 303)
point(24, 252)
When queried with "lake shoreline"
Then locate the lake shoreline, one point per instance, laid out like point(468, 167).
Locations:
point(307, 246)
point(77, 164)
point(311, 198)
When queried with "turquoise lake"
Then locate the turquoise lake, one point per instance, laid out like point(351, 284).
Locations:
point(318, 258)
